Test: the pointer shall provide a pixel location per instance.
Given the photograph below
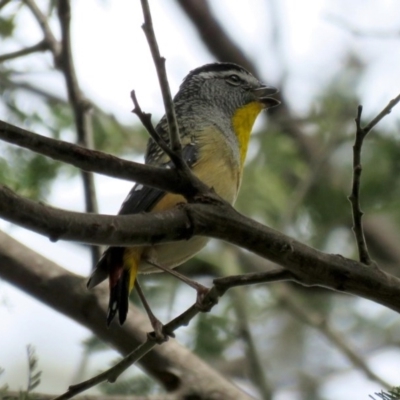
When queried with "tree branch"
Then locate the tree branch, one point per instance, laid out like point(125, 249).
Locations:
point(145, 119)
point(91, 160)
point(159, 63)
point(309, 266)
point(81, 110)
point(221, 221)
point(180, 372)
point(12, 395)
point(223, 48)
point(207, 302)
point(63, 61)
point(58, 224)
point(194, 187)
point(49, 38)
point(41, 46)
point(386, 111)
point(357, 169)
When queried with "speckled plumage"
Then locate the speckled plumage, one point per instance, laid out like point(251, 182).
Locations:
point(215, 107)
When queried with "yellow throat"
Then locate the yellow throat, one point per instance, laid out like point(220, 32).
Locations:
point(243, 121)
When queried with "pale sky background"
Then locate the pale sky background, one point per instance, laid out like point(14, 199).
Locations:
point(112, 57)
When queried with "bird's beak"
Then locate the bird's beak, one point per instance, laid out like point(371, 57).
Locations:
point(263, 94)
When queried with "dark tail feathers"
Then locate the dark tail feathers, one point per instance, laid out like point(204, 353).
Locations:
point(110, 266)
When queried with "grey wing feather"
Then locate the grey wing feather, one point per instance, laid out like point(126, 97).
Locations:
point(140, 199)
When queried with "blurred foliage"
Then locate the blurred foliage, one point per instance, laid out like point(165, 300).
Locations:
point(33, 380)
point(33, 374)
point(7, 26)
point(393, 394)
point(217, 327)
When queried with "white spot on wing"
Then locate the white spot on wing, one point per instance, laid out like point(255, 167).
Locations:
point(138, 187)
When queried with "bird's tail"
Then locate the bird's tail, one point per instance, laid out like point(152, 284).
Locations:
point(120, 265)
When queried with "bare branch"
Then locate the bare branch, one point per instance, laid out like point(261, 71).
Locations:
point(275, 275)
point(386, 111)
point(355, 193)
point(309, 266)
point(218, 42)
point(193, 186)
point(41, 46)
point(207, 302)
point(58, 224)
point(357, 169)
point(176, 368)
point(44, 25)
point(5, 82)
point(62, 55)
point(91, 160)
point(159, 63)
point(81, 110)
point(12, 395)
point(145, 119)
point(112, 374)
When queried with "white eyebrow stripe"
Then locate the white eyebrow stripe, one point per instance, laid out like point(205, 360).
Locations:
point(213, 74)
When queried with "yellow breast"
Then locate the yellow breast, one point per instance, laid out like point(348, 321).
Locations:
point(217, 166)
point(243, 121)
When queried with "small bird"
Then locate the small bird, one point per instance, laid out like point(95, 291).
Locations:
point(215, 107)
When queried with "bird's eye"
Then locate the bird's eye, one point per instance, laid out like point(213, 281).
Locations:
point(233, 80)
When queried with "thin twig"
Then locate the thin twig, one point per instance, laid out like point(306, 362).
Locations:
point(63, 61)
point(275, 275)
point(50, 39)
point(145, 119)
point(17, 395)
point(193, 185)
point(171, 364)
point(93, 160)
point(355, 193)
point(112, 373)
point(159, 63)
point(357, 169)
point(386, 111)
point(309, 266)
point(207, 302)
point(41, 46)
point(81, 109)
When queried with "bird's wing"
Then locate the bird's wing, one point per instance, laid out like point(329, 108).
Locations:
point(140, 199)
point(143, 198)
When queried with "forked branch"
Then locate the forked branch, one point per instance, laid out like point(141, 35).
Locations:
point(354, 197)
